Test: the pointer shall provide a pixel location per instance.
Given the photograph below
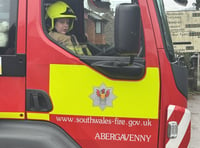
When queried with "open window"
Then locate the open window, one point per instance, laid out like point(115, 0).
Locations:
point(122, 55)
point(117, 45)
point(8, 20)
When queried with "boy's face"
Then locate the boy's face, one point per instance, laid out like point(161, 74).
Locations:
point(62, 25)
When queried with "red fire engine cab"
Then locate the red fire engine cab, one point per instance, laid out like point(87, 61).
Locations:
point(128, 92)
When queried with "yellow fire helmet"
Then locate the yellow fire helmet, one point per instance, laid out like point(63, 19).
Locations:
point(60, 9)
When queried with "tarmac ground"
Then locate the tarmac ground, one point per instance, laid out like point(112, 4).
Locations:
point(194, 107)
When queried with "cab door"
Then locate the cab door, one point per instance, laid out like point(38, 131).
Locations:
point(12, 58)
point(111, 99)
point(104, 100)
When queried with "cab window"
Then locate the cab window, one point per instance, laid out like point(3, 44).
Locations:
point(100, 33)
point(8, 20)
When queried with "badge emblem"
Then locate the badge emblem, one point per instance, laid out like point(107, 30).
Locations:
point(102, 96)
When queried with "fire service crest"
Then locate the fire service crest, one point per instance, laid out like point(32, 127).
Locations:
point(102, 96)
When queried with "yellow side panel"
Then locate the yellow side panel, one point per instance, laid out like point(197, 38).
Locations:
point(12, 115)
point(39, 116)
point(71, 87)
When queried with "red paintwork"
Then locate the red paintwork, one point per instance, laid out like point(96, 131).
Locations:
point(169, 92)
point(13, 88)
point(37, 67)
point(150, 43)
point(155, 24)
point(12, 94)
point(85, 133)
point(41, 52)
point(21, 28)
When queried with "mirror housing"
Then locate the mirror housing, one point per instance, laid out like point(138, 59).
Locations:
point(99, 5)
point(181, 2)
point(127, 29)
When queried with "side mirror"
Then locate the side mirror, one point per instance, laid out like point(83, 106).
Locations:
point(181, 2)
point(100, 6)
point(127, 29)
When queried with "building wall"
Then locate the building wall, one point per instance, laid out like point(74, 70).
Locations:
point(185, 30)
point(90, 30)
point(93, 37)
point(99, 39)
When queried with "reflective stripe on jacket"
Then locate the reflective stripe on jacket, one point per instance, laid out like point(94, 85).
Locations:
point(70, 42)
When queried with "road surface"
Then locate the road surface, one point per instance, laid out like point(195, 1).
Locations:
point(194, 107)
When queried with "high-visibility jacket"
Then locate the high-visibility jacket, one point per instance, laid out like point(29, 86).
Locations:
point(71, 43)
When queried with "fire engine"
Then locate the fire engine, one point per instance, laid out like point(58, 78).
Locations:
point(130, 91)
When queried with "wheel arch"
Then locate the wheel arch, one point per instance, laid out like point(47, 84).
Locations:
point(31, 134)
